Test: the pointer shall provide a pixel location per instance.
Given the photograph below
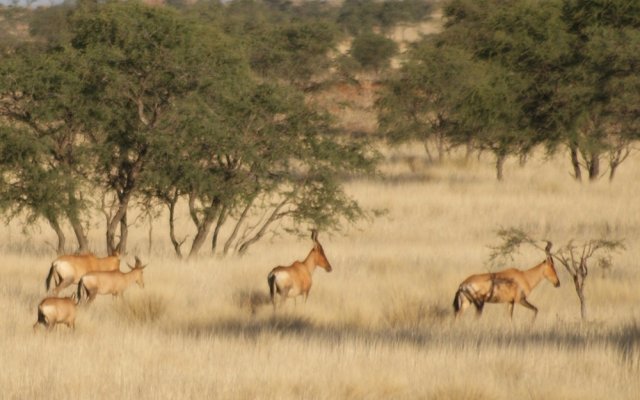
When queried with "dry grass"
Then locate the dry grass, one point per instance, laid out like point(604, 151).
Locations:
point(378, 326)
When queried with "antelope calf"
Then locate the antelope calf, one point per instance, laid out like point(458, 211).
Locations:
point(57, 310)
point(509, 286)
point(110, 282)
point(295, 279)
point(68, 269)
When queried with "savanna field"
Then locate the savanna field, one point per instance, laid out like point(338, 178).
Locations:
point(380, 325)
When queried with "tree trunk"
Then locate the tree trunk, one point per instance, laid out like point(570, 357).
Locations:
point(203, 231)
point(216, 231)
point(578, 282)
point(74, 219)
point(426, 149)
point(118, 219)
point(171, 204)
point(203, 226)
point(500, 159)
point(612, 171)
point(275, 215)
point(575, 163)
point(150, 239)
point(583, 306)
point(81, 237)
point(468, 152)
point(58, 230)
point(236, 229)
point(124, 234)
point(594, 167)
point(442, 148)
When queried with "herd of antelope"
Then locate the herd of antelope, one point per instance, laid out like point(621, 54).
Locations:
point(103, 276)
point(93, 276)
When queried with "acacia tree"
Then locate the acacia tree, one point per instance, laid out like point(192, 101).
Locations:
point(602, 82)
point(417, 103)
point(564, 72)
point(140, 62)
point(254, 159)
point(574, 257)
point(44, 152)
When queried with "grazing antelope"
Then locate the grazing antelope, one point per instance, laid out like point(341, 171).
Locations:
point(508, 286)
point(68, 269)
point(57, 310)
point(295, 280)
point(110, 282)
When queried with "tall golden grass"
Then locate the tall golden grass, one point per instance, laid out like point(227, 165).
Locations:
point(379, 326)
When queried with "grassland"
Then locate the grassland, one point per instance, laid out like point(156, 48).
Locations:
point(378, 326)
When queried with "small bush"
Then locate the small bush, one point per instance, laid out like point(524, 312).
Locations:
point(373, 51)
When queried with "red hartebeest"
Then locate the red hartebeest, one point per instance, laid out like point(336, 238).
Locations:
point(295, 280)
point(68, 269)
point(508, 286)
point(110, 282)
point(57, 310)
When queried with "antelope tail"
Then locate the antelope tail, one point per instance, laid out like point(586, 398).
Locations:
point(41, 317)
point(271, 279)
point(457, 300)
point(47, 282)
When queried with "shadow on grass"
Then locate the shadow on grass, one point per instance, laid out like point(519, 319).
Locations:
point(301, 327)
point(624, 338)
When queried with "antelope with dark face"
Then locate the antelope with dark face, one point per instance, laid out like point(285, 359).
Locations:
point(509, 286)
point(110, 282)
point(57, 310)
point(295, 280)
point(67, 270)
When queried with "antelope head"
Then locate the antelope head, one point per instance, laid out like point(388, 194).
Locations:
point(137, 271)
point(320, 259)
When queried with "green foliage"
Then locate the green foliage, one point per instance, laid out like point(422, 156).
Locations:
point(42, 160)
point(161, 105)
point(556, 72)
point(373, 51)
point(361, 16)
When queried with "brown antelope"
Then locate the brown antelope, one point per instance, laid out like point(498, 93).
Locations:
point(68, 269)
point(508, 286)
point(57, 310)
point(295, 280)
point(110, 282)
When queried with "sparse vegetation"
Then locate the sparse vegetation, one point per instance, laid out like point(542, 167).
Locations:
point(153, 127)
point(380, 324)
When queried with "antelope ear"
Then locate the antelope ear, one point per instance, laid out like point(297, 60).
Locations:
point(129, 265)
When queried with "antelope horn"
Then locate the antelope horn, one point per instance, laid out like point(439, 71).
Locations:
point(139, 263)
point(548, 248)
point(314, 235)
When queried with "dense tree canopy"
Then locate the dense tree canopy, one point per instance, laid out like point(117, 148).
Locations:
point(556, 72)
point(105, 106)
point(155, 105)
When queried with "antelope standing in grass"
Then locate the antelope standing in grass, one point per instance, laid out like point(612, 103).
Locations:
point(110, 282)
point(68, 269)
point(509, 286)
point(57, 310)
point(295, 280)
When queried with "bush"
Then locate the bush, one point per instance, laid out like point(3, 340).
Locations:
point(373, 51)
